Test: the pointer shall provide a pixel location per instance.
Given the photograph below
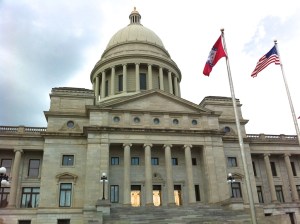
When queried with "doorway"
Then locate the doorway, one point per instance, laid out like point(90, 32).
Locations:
point(157, 195)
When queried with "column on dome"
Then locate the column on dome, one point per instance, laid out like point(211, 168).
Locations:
point(189, 173)
point(270, 177)
point(14, 178)
point(103, 85)
point(137, 77)
point(161, 78)
point(176, 86)
point(150, 83)
point(97, 88)
point(169, 175)
point(112, 82)
point(170, 82)
point(148, 175)
point(125, 78)
point(179, 91)
point(127, 185)
point(295, 196)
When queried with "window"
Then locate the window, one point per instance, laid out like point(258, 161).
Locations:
point(194, 122)
point(135, 161)
point(156, 121)
point(154, 161)
point(143, 84)
point(7, 164)
point(114, 161)
point(174, 161)
point(260, 194)
point(65, 194)
point(33, 169)
point(293, 168)
point(24, 222)
point(194, 161)
point(30, 197)
point(106, 88)
point(254, 168)
point(236, 190)
point(279, 193)
point(4, 192)
point(70, 124)
point(114, 193)
point(298, 190)
point(197, 193)
point(175, 121)
point(231, 161)
point(63, 221)
point(273, 168)
point(68, 160)
point(120, 86)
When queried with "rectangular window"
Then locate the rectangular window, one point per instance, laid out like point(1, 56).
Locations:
point(33, 168)
point(273, 168)
point(231, 161)
point(114, 193)
point(120, 83)
point(298, 190)
point(7, 164)
point(279, 193)
point(114, 161)
point(143, 83)
point(4, 192)
point(63, 221)
point(135, 161)
point(260, 194)
point(24, 222)
point(236, 190)
point(30, 197)
point(194, 161)
point(65, 195)
point(106, 88)
point(154, 161)
point(254, 168)
point(68, 160)
point(174, 161)
point(293, 169)
point(197, 192)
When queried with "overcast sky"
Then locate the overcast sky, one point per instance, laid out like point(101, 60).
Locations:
point(46, 44)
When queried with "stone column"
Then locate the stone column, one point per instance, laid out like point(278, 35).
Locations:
point(270, 178)
point(137, 77)
point(189, 173)
point(169, 175)
point(176, 86)
point(15, 177)
point(127, 185)
point(125, 78)
point(112, 82)
point(170, 82)
point(97, 88)
point(103, 85)
point(148, 175)
point(161, 79)
point(150, 83)
point(295, 196)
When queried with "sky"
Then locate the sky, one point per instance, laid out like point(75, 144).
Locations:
point(47, 44)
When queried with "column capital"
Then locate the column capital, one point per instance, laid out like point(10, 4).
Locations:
point(167, 145)
point(267, 154)
point(113, 67)
point(287, 154)
point(18, 150)
point(137, 63)
point(147, 144)
point(124, 65)
point(187, 146)
point(127, 144)
point(150, 65)
point(103, 72)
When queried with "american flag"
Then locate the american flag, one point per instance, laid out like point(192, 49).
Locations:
point(264, 61)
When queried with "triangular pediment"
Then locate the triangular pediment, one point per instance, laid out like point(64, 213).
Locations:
point(156, 101)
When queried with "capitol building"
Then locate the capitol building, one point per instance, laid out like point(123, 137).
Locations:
point(131, 150)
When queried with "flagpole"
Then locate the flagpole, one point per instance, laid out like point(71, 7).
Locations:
point(289, 95)
point(248, 183)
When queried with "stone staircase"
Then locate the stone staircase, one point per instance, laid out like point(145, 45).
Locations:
point(191, 214)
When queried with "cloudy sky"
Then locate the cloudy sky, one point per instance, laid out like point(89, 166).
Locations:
point(46, 44)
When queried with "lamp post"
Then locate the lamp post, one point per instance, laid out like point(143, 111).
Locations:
point(230, 179)
point(103, 180)
point(3, 177)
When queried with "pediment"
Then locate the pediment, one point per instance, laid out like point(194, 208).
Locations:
point(155, 101)
point(66, 176)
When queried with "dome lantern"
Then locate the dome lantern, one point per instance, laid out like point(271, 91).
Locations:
point(135, 17)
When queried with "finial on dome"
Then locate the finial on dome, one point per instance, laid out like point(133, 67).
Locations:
point(135, 17)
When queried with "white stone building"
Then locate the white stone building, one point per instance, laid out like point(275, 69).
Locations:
point(157, 150)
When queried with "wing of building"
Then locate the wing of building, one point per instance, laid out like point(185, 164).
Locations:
point(131, 150)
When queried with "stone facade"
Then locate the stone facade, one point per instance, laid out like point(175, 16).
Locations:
point(156, 149)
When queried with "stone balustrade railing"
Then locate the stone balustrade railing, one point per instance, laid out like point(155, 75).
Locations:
point(265, 137)
point(21, 129)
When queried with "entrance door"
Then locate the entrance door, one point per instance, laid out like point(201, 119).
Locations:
point(177, 194)
point(136, 195)
point(157, 195)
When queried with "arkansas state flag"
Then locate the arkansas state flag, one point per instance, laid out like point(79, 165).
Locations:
point(214, 56)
